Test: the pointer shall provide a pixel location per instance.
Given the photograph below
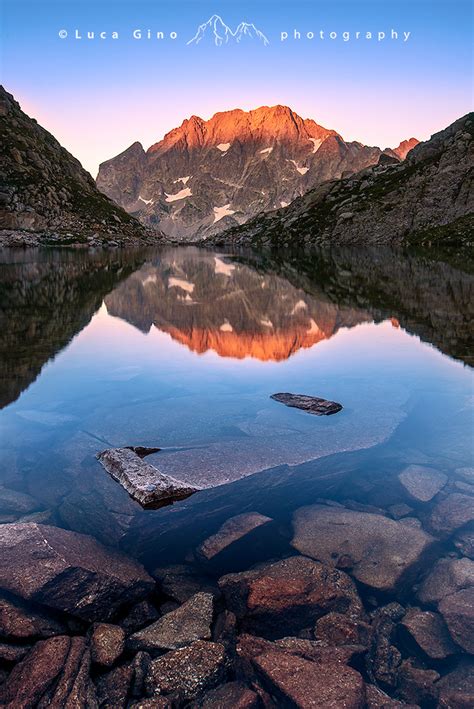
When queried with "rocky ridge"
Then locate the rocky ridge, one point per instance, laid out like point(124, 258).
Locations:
point(47, 196)
point(427, 199)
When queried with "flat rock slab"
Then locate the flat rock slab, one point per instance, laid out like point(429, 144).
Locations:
point(234, 530)
point(310, 404)
point(378, 551)
point(145, 483)
point(68, 571)
point(181, 627)
point(422, 483)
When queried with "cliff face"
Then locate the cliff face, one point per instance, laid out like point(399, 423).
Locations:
point(427, 198)
point(208, 175)
point(46, 195)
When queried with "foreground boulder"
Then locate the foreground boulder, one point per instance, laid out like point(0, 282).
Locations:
point(187, 673)
point(190, 622)
point(68, 571)
point(458, 612)
point(287, 596)
point(145, 483)
point(310, 404)
point(379, 552)
point(422, 483)
point(55, 673)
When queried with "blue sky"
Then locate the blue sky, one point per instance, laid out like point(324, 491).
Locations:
point(98, 96)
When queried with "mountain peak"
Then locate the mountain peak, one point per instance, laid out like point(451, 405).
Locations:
point(216, 30)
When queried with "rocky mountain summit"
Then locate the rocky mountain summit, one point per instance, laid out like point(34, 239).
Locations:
point(426, 199)
point(47, 196)
point(207, 176)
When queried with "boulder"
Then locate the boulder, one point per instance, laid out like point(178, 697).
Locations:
point(452, 513)
point(116, 688)
point(422, 483)
point(231, 694)
point(189, 672)
point(456, 689)
point(284, 597)
point(19, 621)
point(379, 552)
point(297, 682)
point(190, 622)
point(145, 483)
point(238, 535)
point(68, 571)
point(458, 612)
point(107, 643)
point(340, 629)
point(429, 632)
point(417, 685)
point(446, 577)
point(310, 404)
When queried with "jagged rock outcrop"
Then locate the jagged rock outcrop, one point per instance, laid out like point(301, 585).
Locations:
point(428, 198)
point(206, 176)
point(46, 194)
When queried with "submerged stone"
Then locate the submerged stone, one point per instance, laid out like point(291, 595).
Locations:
point(310, 404)
point(236, 532)
point(458, 612)
point(145, 483)
point(446, 577)
point(422, 483)
point(379, 552)
point(430, 633)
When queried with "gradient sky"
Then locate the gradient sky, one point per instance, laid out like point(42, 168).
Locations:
point(99, 96)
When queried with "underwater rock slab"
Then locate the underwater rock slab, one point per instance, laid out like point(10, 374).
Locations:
point(145, 483)
point(310, 404)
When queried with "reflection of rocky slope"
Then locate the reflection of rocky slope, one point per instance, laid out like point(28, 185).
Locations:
point(206, 176)
point(46, 192)
point(431, 299)
point(210, 303)
point(427, 198)
point(45, 300)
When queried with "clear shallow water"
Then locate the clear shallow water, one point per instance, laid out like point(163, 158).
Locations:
point(182, 349)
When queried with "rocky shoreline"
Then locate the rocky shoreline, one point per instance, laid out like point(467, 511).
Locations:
point(366, 604)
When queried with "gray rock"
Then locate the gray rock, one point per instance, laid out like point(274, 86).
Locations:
point(447, 577)
point(230, 533)
point(310, 404)
point(68, 571)
point(189, 672)
point(379, 552)
point(452, 513)
point(178, 628)
point(458, 612)
point(429, 631)
point(143, 481)
point(422, 483)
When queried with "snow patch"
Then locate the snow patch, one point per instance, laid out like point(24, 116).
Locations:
point(184, 180)
point(223, 267)
point(226, 327)
point(284, 204)
point(146, 201)
point(314, 328)
point(186, 192)
point(301, 170)
point(300, 305)
point(317, 142)
point(267, 323)
point(221, 212)
point(223, 147)
point(181, 283)
point(266, 150)
point(148, 280)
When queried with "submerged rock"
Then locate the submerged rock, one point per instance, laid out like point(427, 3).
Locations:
point(247, 529)
point(458, 612)
point(16, 503)
point(68, 571)
point(378, 551)
point(456, 689)
point(189, 672)
point(178, 628)
point(231, 694)
point(452, 513)
point(107, 643)
point(422, 483)
point(446, 577)
point(181, 581)
point(430, 633)
point(284, 597)
point(20, 622)
point(310, 404)
point(145, 483)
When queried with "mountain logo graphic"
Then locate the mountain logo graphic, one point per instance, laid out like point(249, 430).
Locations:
point(217, 30)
